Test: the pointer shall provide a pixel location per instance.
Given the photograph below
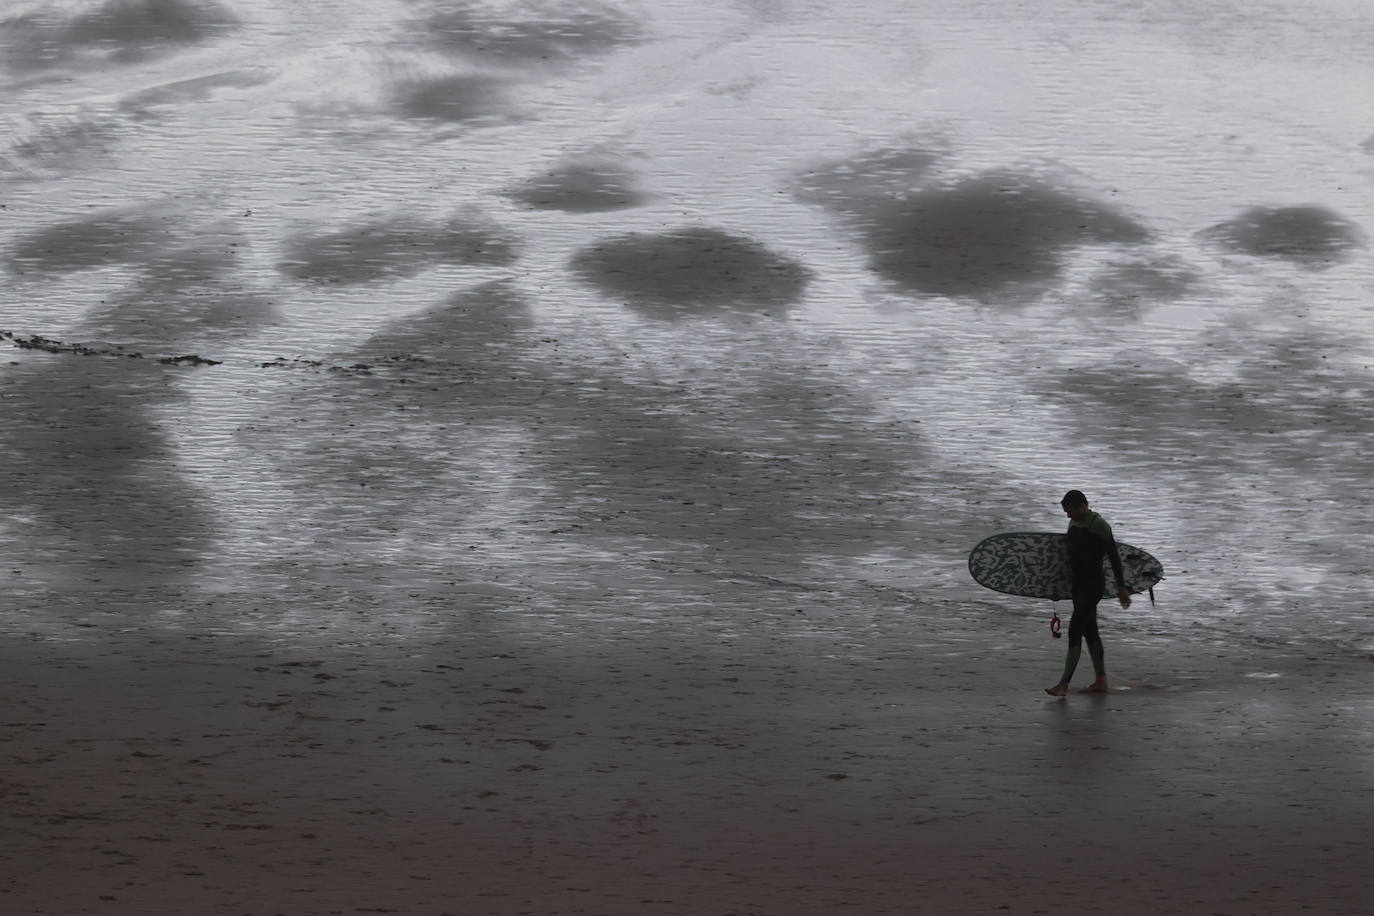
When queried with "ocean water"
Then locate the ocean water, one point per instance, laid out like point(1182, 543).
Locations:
point(616, 312)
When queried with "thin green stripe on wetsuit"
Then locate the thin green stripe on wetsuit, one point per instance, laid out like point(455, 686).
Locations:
point(1089, 541)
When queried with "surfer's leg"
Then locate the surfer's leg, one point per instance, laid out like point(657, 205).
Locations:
point(1094, 641)
point(1084, 617)
point(1075, 646)
point(1075, 652)
point(1083, 622)
point(1070, 663)
point(1071, 659)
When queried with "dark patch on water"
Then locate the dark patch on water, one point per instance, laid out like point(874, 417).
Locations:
point(185, 302)
point(539, 33)
point(466, 99)
point(582, 187)
point(861, 184)
point(475, 329)
point(691, 272)
point(132, 28)
point(118, 31)
point(1287, 408)
point(478, 353)
point(396, 247)
point(984, 237)
point(473, 350)
point(121, 238)
point(1311, 236)
point(1128, 285)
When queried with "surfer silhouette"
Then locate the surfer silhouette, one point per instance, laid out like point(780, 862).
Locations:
point(1090, 539)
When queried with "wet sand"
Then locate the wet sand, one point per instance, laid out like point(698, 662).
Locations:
point(854, 750)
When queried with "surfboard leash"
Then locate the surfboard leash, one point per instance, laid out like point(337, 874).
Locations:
point(1054, 626)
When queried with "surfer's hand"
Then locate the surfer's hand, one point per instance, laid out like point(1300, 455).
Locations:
point(1124, 597)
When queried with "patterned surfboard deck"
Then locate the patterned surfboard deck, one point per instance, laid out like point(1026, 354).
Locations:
point(1035, 564)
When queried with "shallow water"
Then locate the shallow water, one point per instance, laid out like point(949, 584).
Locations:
point(603, 310)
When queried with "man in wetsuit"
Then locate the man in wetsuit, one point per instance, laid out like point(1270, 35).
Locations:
point(1090, 539)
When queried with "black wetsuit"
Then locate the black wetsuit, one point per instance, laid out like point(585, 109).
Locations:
point(1089, 541)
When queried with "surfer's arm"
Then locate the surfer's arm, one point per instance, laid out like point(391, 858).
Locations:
point(1115, 556)
point(1104, 531)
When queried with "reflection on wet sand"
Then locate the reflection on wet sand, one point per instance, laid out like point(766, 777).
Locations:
point(88, 466)
point(409, 441)
point(754, 469)
point(468, 423)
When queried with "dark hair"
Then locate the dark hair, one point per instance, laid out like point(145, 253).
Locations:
point(1074, 498)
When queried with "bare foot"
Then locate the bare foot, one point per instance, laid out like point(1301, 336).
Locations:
point(1058, 690)
point(1097, 686)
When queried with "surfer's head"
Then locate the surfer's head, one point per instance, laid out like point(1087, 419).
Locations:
point(1075, 504)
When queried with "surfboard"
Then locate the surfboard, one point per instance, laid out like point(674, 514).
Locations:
point(1035, 564)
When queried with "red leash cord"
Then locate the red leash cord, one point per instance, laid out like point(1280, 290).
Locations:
point(1054, 626)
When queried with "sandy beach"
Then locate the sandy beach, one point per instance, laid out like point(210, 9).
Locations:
point(853, 750)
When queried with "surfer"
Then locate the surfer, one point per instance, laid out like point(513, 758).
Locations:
point(1090, 539)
